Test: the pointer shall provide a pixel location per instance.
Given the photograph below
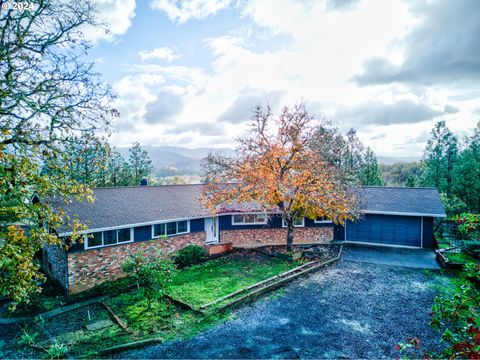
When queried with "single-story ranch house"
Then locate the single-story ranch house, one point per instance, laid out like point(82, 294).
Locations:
point(125, 220)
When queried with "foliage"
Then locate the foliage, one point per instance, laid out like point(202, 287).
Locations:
point(28, 338)
point(456, 314)
point(140, 163)
point(453, 205)
point(57, 351)
point(49, 95)
point(469, 225)
point(208, 281)
point(152, 273)
point(440, 156)
point(277, 167)
point(370, 173)
point(397, 174)
point(190, 255)
point(411, 181)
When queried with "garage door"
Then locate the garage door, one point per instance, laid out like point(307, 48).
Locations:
point(386, 229)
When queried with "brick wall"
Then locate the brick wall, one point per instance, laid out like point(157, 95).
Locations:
point(252, 237)
point(54, 263)
point(89, 268)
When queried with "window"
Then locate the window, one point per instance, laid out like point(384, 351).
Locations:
point(110, 237)
point(171, 228)
point(249, 219)
point(321, 220)
point(297, 222)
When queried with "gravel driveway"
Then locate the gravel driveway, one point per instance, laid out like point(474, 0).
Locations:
point(349, 310)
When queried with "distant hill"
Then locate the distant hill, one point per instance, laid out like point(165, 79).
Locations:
point(387, 160)
point(176, 160)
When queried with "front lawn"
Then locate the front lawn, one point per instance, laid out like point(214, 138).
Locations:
point(206, 282)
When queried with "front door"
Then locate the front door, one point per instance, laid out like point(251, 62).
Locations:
point(211, 228)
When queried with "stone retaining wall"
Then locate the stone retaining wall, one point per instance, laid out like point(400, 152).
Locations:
point(277, 236)
point(90, 268)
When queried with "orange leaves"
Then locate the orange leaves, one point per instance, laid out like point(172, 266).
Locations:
point(280, 169)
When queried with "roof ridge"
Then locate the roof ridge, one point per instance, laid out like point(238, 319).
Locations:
point(142, 186)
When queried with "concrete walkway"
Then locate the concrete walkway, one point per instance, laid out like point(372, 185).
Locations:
point(414, 258)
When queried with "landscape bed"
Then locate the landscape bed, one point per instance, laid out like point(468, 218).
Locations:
point(163, 320)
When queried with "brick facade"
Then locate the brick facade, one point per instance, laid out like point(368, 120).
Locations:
point(276, 236)
point(89, 268)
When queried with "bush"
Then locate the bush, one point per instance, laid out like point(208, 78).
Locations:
point(190, 255)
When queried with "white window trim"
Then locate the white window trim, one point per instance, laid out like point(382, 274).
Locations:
point(166, 222)
point(85, 240)
point(322, 221)
point(234, 223)
point(284, 224)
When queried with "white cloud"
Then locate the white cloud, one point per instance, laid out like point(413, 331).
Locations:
point(184, 10)
point(116, 15)
point(162, 53)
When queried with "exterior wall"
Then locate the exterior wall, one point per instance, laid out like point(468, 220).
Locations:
point(274, 221)
point(428, 224)
point(89, 268)
point(276, 236)
point(54, 263)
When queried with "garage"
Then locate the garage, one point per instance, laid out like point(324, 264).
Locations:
point(393, 216)
point(386, 230)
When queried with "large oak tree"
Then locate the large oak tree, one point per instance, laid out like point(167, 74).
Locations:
point(279, 167)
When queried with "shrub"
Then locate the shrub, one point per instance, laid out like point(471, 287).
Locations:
point(190, 255)
point(151, 274)
point(27, 337)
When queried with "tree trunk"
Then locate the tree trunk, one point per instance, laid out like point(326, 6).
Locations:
point(289, 235)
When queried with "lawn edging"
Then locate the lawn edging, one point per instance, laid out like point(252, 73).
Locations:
point(281, 281)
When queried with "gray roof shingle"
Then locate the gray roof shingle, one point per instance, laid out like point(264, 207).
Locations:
point(423, 201)
point(120, 206)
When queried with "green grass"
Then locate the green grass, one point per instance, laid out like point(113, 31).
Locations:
point(459, 258)
point(443, 245)
point(206, 282)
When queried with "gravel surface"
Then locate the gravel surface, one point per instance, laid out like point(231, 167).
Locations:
point(348, 310)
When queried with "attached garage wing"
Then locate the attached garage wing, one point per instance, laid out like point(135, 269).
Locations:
point(386, 230)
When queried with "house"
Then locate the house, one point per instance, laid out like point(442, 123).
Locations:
point(125, 220)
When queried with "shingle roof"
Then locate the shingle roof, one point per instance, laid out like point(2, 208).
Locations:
point(122, 206)
point(402, 200)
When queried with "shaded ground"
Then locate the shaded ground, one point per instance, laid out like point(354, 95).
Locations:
point(352, 309)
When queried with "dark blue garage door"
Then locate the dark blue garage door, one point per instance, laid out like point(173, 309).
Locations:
point(386, 229)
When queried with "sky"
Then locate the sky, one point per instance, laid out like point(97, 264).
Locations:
point(189, 72)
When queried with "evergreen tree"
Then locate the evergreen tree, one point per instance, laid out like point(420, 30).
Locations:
point(411, 181)
point(369, 171)
point(440, 157)
point(140, 163)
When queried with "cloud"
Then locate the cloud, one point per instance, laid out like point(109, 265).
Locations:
point(117, 15)
point(162, 53)
point(241, 108)
point(341, 5)
point(378, 113)
point(184, 10)
point(441, 49)
point(202, 128)
point(164, 108)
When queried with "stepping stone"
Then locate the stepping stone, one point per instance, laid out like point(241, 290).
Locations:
point(98, 324)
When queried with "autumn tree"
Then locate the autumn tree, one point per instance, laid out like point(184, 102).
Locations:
point(49, 94)
point(276, 168)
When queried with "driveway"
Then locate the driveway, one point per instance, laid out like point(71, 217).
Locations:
point(348, 310)
point(416, 258)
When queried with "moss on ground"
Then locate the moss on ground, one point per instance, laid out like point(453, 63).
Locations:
point(459, 258)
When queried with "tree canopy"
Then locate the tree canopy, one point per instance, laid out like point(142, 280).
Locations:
point(277, 167)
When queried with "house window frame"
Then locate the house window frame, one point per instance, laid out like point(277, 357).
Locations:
point(324, 221)
point(168, 222)
point(234, 223)
point(284, 224)
point(85, 240)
